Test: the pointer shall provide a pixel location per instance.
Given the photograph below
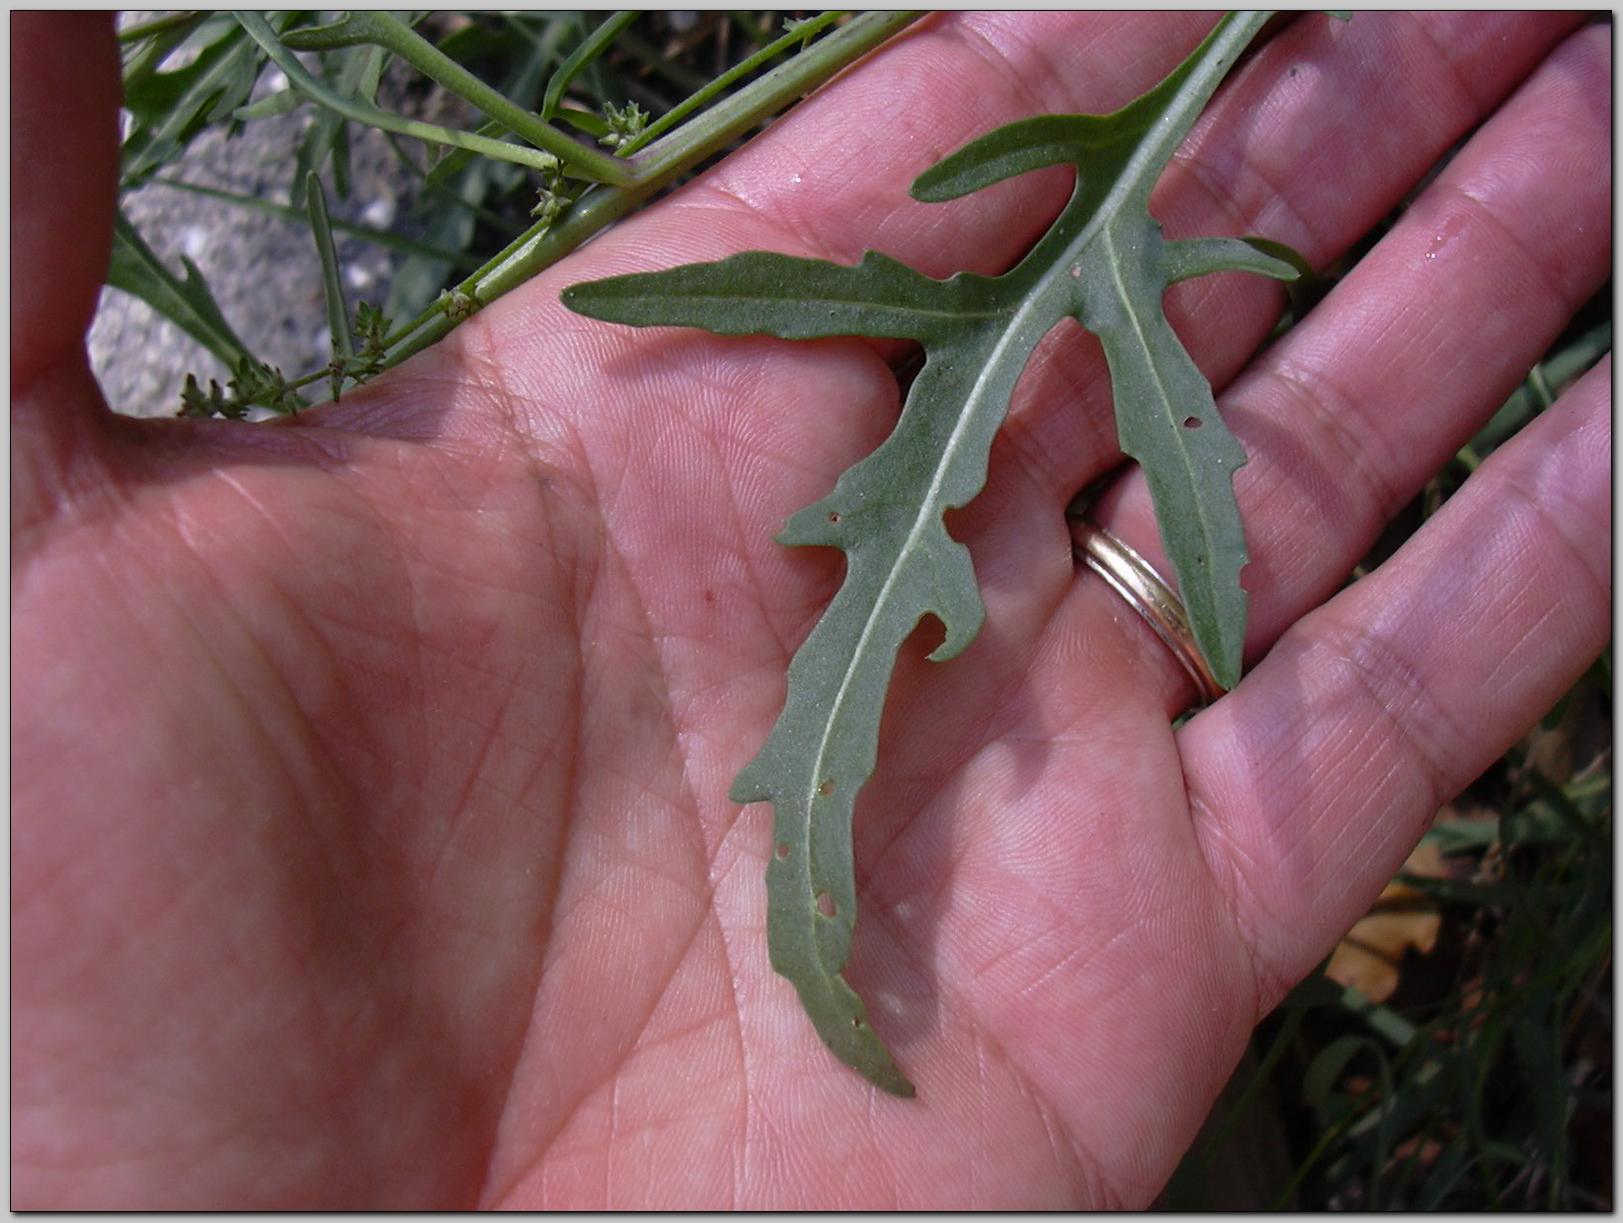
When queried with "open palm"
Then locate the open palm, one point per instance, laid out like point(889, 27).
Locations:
point(371, 843)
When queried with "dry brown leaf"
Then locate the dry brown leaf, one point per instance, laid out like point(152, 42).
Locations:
point(1368, 958)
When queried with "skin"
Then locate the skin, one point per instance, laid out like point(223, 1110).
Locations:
point(370, 841)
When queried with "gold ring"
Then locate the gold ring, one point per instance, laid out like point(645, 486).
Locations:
point(1130, 576)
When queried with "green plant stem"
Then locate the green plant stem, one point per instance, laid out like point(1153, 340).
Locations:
point(1541, 388)
point(428, 59)
point(359, 112)
point(536, 249)
point(723, 82)
point(384, 31)
point(735, 115)
point(597, 42)
point(541, 246)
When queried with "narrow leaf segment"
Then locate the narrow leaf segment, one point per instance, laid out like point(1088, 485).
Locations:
point(1104, 263)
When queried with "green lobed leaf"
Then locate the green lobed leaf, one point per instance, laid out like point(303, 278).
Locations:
point(134, 268)
point(1015, 148)
point(1200, 256)
point(1103, 262)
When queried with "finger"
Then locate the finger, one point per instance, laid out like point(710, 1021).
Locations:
point(1061, 431)
point(1361, 403)
point(1319, 773)
point(830, 180)
point(824, 432)
point(1307, 520)
point(1311, 144)
point(64, 165)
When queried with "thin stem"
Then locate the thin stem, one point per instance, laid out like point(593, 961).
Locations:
point(583, 56)
point(771, 93)
point(371, 116)
point(715, 88)
point(385, 31)
point(1541, 388)
point(432, 62)
point(542, 245)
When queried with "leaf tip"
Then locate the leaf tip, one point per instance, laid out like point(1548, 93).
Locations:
point(817, 525)
point(1224, 650)
point(899, 1085)
point(594, 299)
point(928, 187)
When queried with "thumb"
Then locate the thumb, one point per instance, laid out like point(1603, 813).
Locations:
point(65, 88)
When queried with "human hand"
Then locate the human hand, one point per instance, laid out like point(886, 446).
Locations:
point(370, 836)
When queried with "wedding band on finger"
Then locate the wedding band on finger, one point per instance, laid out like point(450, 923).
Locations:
point(1131, 576)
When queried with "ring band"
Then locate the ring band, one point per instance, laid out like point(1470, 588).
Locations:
point(1130, 576)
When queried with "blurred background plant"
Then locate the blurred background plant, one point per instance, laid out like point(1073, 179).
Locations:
point(327, 193)
point(1455, 1051)
point(280, 169)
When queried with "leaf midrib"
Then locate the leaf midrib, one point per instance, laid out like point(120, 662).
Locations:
point(1162, 394)
point(1146, 158)
point(729, 297)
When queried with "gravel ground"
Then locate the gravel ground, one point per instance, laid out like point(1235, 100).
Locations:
point(263, 270)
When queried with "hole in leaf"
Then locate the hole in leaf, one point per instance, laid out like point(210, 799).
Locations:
point(783, 852)
point(1191, 422)
point(826, 788)
point(834, 517)
point(856, 1021)
point(825, 904)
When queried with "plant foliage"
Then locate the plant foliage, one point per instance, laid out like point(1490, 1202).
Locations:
point(187, 73)
point(1104, 263)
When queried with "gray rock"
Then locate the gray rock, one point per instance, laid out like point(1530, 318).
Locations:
point(262, 270)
